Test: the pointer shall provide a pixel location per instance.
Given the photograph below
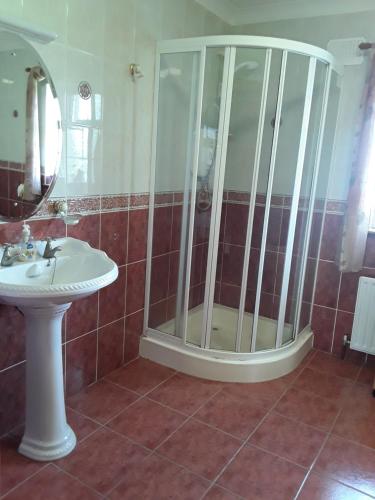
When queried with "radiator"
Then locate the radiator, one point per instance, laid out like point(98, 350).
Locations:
point(363, 333)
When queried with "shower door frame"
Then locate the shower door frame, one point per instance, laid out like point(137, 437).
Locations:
point(230, 44)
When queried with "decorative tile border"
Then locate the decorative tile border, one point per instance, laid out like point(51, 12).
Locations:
point(114, 202)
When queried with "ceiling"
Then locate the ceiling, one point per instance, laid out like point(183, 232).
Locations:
point(239, 12)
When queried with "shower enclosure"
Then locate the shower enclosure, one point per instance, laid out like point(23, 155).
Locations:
point(243, 135)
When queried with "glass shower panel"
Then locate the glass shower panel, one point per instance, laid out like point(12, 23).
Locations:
point(177, 108)
point(281, 196)
point(213, 77)
point(304, 201)
point(242, 141)
point(259, 210)
point(319, 201)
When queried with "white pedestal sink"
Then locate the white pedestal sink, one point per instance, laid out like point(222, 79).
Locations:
point(43, 293)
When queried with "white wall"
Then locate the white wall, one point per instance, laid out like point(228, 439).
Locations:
point(319, 31)
point(107, 145)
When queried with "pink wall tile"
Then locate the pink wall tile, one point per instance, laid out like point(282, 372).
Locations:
point(162, 230)
point(112, 299)
point(113, 236)
point(343, 326)
point(236, 224)
point(232, 264)
point(331, 236)
point(323, 322)
point(81, 362)
point(4, 183)
point(133, 332)
point(274, 228)
point(327, 285)
point(136, 276)
point(110, 342)
point(44, 228)
point(157, 314)
point(176, 227)
point(159, 278)
point(174, 260)
point(12, 336)
point(88, 229)
point(82, 317)
point(12, 397)
point(137, 242)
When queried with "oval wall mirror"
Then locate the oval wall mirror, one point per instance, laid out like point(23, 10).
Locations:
point(30, 129)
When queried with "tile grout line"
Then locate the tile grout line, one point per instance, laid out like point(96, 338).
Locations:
point(246, 441)
point(317, 456)
point(60, 469)
point(25, 480)
point(336, 309)
point(186, 420)
point(126, 282)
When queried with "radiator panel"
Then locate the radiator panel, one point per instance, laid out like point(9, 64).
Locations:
point(363, 333)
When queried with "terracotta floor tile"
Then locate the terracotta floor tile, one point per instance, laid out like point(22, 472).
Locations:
point(256, 474)
point(327, 363)
point(360, 398)
point(81, 425)
point(350, 463)
point(289, 439)
point(308, 408)
point(309, 356)
point(141, 375)
point(367, 373)
point(357, 424)
point(324, 385)
point(147, 422)
point(14, 467)
point(52, 483)
point(102, 459)
point(230, 414)
point(200, 448)
point(101, 401)
point(185, 394)
point(158, 478)
point(322, 488)
point(217, 493)
point(263, 394)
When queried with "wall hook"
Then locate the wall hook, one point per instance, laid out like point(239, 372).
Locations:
point(135, 71)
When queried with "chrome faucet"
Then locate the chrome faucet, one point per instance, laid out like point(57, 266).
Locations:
point(49, 252)
point(7, 259)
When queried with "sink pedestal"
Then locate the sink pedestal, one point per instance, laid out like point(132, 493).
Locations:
point(47, 435)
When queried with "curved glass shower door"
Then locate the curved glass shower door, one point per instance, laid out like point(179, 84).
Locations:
point(239, 137)
point(176, 109)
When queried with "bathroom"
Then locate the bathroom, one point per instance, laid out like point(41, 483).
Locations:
point(198, 324)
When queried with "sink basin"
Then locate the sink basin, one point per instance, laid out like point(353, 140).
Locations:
point(43, 290)
point(78, 270)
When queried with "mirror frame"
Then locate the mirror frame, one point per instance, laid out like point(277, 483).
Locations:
point(46, 196)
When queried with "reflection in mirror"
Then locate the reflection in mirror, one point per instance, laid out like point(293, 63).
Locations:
point(30, 129)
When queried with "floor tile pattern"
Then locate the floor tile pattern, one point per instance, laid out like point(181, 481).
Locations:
point(147, 432)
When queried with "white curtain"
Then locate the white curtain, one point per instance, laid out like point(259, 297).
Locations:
point(362, 188)
point(32, 182)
